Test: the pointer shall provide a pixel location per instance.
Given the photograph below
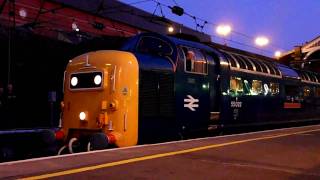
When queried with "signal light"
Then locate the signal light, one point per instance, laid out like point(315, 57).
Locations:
point(177, 10)
point(59, 135)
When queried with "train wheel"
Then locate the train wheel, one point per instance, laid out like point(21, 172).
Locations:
point(97, 141)
point(74, 145)
point(63, 150)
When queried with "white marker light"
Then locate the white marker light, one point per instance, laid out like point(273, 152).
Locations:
point(82, 116)
point(97, 79)
point(74, 81)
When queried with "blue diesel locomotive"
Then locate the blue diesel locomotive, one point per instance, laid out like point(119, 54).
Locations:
point(182, 87)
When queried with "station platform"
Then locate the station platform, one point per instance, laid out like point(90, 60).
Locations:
point(292, 153)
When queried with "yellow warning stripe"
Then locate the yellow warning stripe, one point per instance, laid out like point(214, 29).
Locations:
point(127, 161)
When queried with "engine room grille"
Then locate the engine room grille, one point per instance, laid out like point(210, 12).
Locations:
point(156, 94)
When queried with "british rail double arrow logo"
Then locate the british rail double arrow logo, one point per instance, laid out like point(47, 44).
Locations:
point(191, 103)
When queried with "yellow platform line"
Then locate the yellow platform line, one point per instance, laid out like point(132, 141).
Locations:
point(127, 161)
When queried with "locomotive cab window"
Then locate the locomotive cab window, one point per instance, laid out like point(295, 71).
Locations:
point(154, 46)
point(195, 61)
point(86, 80)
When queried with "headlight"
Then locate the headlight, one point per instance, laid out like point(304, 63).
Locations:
point(82, 116)
point(97, 79)
point(74, 81)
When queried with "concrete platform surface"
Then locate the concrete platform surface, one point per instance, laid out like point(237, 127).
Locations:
point(292, 153)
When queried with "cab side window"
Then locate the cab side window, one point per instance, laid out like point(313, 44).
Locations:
point(195, 61)
point(154, 46)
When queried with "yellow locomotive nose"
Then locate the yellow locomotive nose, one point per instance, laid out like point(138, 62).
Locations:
point(101, 96)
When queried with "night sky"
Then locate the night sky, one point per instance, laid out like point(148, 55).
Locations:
point(286, 23)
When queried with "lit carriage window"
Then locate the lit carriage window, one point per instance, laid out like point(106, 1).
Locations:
point(256, 87)
point(306, 91)
point(236, 86)
point(195, 61)
point(86, 80)
point(274, 89)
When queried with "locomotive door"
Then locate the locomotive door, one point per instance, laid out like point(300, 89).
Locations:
point(192, 90)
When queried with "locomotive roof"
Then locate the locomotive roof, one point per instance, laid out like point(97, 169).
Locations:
point(286, 71)
point(183, 42)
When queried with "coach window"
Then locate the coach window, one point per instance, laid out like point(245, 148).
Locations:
point(236, 86)
point(274, 89)
point(154, 46)
point(256, 87)
point(195, 61)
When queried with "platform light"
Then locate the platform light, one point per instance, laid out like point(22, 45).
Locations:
point(277, 54)
point(23, 13)
point(223, 30)
point(97, 79)
point(170, 29)
point(75, 27)
point(261, 41)
point(74, 81)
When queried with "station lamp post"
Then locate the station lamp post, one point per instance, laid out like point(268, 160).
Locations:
point(277, 54)
point(261, 41)
point(223, 30)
